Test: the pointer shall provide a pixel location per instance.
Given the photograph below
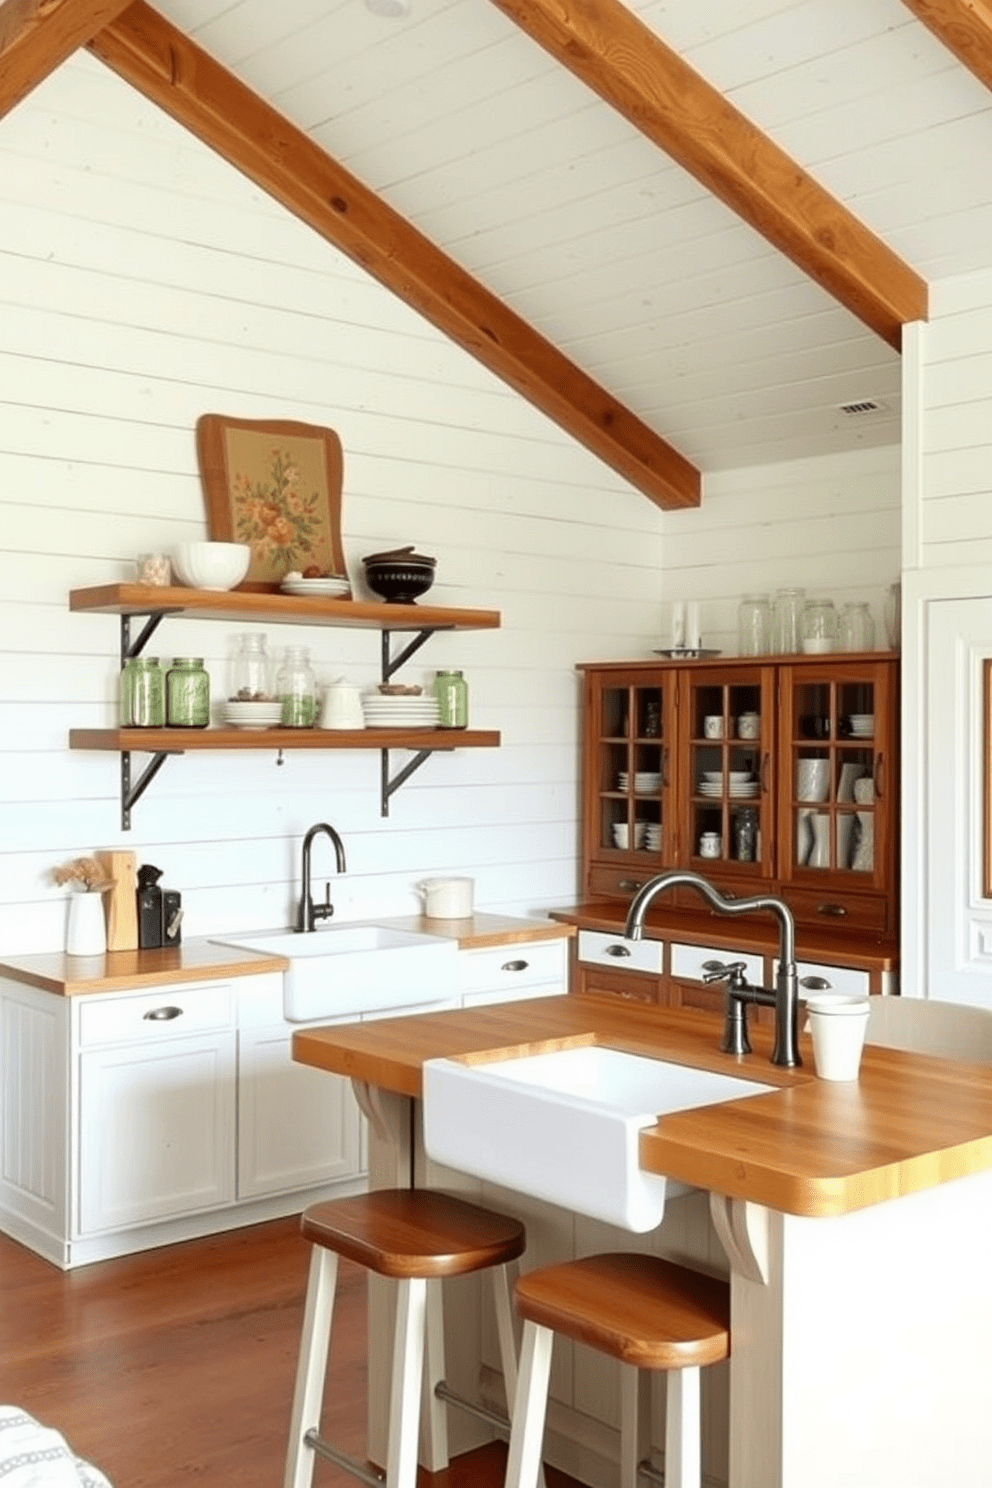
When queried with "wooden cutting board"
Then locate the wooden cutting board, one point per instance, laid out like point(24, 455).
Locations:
point(120, 901)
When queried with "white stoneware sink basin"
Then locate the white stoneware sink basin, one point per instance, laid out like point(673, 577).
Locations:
point(564, 1126)
point(352, 969)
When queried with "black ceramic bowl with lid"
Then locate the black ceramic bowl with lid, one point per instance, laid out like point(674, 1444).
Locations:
point(399, 575)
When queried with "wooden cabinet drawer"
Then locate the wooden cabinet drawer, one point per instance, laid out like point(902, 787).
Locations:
point(138, 1016)
point(852, 911)
point(599, 949)
point(627, 984)
point(514, 967)
point(619, 883)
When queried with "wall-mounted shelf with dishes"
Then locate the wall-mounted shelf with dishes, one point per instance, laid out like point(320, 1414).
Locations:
point(420, 622)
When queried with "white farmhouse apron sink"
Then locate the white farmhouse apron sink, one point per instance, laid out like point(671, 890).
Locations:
point(350, 969)
point(564, 1126)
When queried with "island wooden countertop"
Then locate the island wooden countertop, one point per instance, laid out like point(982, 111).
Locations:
point(810, 1147)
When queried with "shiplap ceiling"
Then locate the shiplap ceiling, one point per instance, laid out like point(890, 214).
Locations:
point(584, 227)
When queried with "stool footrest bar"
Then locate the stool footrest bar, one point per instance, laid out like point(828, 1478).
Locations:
point(341, 1459)
point(444, 1392)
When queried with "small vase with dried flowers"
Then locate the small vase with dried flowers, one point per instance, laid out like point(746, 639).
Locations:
point(86, 929)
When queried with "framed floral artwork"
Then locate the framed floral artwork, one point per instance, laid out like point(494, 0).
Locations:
point(275, 484)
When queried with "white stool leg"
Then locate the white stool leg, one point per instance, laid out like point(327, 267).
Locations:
point(682, 1430)
point(507, 1342)
point(529, 1407)
point(635, 1407)
point(434, 1412)
point(312, 1366)
point(408, 1368)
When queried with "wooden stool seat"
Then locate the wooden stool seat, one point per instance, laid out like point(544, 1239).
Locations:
point(648, 1313)
point(638, 1308)
point(416, 1237)
point(414, 1232)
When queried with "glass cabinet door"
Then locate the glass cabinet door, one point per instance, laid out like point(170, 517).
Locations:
point(631, 749)
point(727, 796)
point(835, 814)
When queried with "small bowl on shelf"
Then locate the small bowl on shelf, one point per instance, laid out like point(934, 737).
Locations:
point(400, 575)
point(211, 565)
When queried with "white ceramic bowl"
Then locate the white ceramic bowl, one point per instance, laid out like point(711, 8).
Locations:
point(211, 565)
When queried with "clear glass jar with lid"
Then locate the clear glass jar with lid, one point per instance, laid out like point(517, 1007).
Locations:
point(754, 625)
point(251, 670)
point(187, 693)
point(142, 693)
point(819, 626)
point(296, 688)
point(787, 621)
point(856, 629)
point(451, 691)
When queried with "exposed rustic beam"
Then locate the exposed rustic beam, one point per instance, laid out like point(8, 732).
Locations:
point(631, 68)
point(965, 28)
point(37, 35)
point(168, 68)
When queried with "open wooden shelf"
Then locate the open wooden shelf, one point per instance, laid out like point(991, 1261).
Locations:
point(178, 740)
point(275, 609)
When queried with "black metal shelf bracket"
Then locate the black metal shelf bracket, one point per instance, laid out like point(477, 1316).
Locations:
point(391, 664)
point(132, 793)
point(387, 786)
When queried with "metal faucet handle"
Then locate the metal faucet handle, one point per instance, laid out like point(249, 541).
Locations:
point(721, 971)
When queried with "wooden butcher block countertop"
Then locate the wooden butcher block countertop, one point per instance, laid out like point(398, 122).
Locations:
point(810, 1147)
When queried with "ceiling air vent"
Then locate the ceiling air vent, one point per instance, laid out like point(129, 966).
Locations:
point(862, 407)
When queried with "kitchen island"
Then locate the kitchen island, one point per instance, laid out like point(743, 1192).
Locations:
point(854, 1218)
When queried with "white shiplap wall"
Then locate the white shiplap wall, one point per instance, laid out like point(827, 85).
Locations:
point(142, 282)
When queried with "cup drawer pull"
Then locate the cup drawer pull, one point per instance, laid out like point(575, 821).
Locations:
point(162, 1014)
point(815, 984)
point(514, 966)
point(617, 950)
point(630, 883)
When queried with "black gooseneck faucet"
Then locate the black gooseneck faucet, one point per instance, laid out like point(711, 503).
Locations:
point(309, 913)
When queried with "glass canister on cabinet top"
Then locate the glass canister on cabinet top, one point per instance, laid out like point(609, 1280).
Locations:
point(856, 628)
point(819, 626)
point(787, 621)
point(754, 625)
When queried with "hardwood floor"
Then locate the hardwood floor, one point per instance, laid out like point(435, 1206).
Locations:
point(177, 1365)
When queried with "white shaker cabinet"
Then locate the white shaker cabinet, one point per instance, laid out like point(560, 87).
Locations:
point(138, 1118)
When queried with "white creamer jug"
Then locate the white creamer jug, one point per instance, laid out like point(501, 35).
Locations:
point(342, 706)
point(447, 898)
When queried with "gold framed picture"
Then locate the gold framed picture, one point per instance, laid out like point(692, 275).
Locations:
point(275, 484)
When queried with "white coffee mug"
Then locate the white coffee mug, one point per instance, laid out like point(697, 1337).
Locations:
point(447, 898)
point(748, 726)
point(713, 726)
point(710, 845)
point(838, 1025)
point(342, 707)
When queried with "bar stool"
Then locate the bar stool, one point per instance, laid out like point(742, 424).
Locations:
point(416, 1236)
point(647, 1312)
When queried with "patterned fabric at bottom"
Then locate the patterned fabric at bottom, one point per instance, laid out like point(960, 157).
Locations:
point(34, 1456)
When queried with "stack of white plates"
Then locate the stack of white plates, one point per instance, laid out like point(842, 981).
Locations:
point(330, 588)
point(646, 782)
point(862, 725)
point(652, 837)
point(251, 715)
point(736, 789)
point(399, 710)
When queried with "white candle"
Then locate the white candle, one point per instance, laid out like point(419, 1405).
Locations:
point(692, 636)
point(678, 625)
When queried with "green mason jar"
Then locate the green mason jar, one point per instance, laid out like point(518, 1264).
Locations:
point(142, 693)
point(187, 689)
point(451, 691)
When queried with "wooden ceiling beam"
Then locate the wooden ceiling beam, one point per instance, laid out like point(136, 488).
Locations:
point(631, 68)
point(36, 36)
point(965, 28)
point(163, 64)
